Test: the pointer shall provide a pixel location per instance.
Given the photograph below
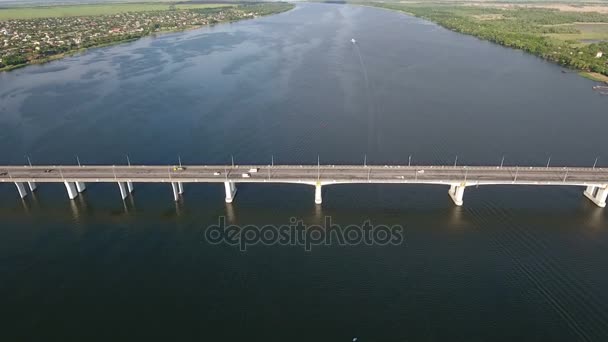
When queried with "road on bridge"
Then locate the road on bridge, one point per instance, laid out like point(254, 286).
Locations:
point(326, 174)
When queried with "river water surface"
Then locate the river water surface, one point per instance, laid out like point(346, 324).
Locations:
point(511, 264)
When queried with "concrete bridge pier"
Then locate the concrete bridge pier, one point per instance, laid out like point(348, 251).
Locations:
point(180, 187)
point(81, 186)
point(318, 197)
point(71, 188)
point(456, 192)
point(130, 187)
point(590, 192)
point(32, 186)
point(597, 194)
point(123, 190)
point(175, 189)
point(21, 189)
point(230, 191)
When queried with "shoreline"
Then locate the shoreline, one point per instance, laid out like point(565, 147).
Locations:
point(594, 76)
point(56, 57)
point(590, 75)
point(59, 56)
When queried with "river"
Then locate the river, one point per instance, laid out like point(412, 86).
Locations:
point(514, 263)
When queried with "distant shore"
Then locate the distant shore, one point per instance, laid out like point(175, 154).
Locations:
point(562, 37)
point(236, 13)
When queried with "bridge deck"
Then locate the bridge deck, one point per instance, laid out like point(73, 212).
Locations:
point(310, 174)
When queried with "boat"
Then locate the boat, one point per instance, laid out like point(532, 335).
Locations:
point(353, 40)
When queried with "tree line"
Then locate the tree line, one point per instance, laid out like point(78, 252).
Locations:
point(522, 29)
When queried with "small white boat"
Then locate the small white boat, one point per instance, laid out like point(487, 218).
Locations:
point(353, 41)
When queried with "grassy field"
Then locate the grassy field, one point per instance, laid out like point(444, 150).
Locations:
point(87, 10)
point(589, 32)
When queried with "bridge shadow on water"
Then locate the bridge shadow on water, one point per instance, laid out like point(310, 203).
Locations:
point(277, 203)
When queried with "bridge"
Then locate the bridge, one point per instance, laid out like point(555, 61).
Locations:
point(457, 178)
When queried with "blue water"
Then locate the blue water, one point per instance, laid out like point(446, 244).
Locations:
point(511, 264)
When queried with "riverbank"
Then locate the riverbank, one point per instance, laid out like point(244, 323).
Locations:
point(65, 54)
point(594, 76)
point(30, 42)
point(546, 33)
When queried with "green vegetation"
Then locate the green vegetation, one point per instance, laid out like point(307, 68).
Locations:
point(91, 10)
point(39, 40)
point(583, 32)
point(551, 34)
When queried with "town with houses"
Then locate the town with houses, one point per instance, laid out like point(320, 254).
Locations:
point(26, 41)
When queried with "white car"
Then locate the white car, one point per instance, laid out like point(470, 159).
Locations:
point(254, 170)
point(217, 173)
point(246, 175)
point(420, 171)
